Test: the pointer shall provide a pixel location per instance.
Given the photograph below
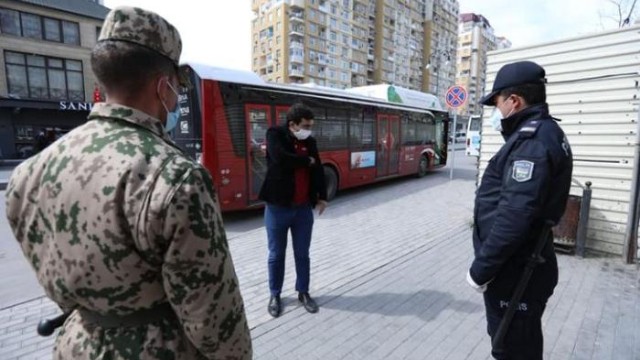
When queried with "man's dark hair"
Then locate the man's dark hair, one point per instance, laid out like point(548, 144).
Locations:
point(127, 68)
point(297, 112)
point(531, 93)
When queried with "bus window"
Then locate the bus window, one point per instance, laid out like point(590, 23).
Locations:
point(356, 126)
point(332, 131)
point(282, 115)
point(409, 135)
point(368, 129)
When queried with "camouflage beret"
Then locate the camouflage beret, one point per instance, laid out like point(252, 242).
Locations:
point(142, 27)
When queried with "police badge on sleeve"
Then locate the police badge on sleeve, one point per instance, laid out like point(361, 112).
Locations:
point(522, 170)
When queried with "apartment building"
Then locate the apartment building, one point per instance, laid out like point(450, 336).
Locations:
point(443, 28)
point(348, 43)
point(476, 38)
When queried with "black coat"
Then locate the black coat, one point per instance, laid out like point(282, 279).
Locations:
point(525, 183)
point(279, 184)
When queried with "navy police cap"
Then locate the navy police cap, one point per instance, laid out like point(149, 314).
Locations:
point(514, 74)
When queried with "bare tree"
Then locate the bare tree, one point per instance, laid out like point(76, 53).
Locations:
point(620, 12)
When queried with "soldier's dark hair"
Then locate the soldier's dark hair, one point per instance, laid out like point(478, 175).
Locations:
point(531, 93)
point(127, 68)
point(297, 112)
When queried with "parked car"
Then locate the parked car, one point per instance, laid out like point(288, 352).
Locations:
point(461, 136)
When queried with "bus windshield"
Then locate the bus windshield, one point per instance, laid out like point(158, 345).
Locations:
point(188, 133)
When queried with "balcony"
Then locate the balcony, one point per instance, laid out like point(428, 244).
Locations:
point(297, 17)
point(324, 8)
point(297, 73)
point(296, 45)
point(296, 30)
point(296, 59)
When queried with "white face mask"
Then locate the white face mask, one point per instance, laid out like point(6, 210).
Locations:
point(302, 134)
point(496, 120)
point(497, 117)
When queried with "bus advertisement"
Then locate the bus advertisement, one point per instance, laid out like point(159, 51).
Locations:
point(224, 116)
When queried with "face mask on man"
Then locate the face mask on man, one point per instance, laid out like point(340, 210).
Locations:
point(497, 117)
point(496, 120)
point(302, 134)
point(172, 116)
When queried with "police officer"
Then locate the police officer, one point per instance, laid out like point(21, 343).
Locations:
point(525, 184)
point(121, 227)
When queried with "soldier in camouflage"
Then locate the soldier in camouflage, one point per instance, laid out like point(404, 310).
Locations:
point(122, 229)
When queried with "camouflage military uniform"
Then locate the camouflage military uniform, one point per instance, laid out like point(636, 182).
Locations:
point(115, 219)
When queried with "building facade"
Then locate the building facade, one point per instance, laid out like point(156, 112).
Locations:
point(476, 39)
point(347, 43)
point(443, 28)
point(46, 80)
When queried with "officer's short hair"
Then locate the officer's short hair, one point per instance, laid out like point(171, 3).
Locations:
point(532, 94)
point(127, 68)
point(297, 112)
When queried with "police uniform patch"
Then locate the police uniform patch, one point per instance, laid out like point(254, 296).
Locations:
point(522, 170)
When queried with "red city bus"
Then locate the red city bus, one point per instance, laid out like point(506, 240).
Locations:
point(225, 115)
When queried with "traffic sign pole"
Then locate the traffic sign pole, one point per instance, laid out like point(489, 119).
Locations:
point(453, 147)
point(456, 96)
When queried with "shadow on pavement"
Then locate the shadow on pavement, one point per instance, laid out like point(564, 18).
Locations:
point(425, 304)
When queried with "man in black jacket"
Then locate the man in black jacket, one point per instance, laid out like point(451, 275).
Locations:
point(525, 184)
point(294, 185)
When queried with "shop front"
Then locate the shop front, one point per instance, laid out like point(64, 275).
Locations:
point(23, 121)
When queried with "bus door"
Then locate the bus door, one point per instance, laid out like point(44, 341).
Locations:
point(258, 121)
point(388, 149)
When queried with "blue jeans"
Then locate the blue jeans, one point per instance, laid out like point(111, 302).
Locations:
point(278, 220)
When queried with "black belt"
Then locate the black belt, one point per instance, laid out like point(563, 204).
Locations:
point(137, 318)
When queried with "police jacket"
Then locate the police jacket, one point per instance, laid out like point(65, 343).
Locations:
point(524, 184)
point(279, 184)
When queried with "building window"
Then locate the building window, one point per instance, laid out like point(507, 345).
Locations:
point(98, 31)
point(9, 22)
point(38, 27)
point(31, 26)
point(52, 30)
point(41, 77)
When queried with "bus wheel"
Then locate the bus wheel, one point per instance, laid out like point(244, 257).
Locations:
point(423, 166)
point(331, 181)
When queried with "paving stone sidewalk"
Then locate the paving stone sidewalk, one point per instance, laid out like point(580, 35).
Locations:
point(388, 270)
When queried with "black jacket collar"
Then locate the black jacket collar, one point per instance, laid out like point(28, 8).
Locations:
point(511, 124)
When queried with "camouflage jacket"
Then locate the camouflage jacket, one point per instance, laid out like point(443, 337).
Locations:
point(113, 219)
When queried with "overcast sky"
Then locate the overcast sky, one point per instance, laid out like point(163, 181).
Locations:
point(219, 32)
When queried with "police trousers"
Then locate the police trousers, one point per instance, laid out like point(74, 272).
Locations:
point(524, 339)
